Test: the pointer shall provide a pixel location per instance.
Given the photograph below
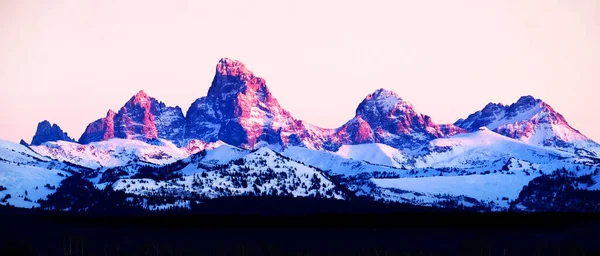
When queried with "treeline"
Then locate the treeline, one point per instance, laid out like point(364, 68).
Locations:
point(561, 191)
point(76, 194)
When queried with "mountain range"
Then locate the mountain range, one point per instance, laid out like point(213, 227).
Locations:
point(238, 140)
point(240, 110)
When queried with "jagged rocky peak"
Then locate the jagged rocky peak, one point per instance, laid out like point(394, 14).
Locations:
point(528, 99)
point(141, 98)
point(99, 130)
point(383, 102)
point(142, 117)
point(229, 67)
point(240, 110)
point(384, 117)
point(491, 108)
point(526, 103)
point(528, 119)
point(494, 115)
point(233, 77)
point(49, 132)
point(135, 119)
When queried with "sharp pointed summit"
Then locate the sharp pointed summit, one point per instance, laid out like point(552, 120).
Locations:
point(141, 98)
point(240, 110)
point(232, 77)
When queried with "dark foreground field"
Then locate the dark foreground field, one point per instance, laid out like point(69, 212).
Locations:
point(217, 232)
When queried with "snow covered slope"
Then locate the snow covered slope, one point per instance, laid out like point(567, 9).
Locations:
point(530, 120)
point(26, 184)
point(261, 172)
point(491, 187)
point(488, 150)
point(24, 175)
point(375, 153)
point(223, 154)
point(16, 153)
point(486, 166)
point(111, 153)
point(482, 150)
point(336, 164)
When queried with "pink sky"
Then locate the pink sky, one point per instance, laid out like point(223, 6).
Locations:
point(70, 61)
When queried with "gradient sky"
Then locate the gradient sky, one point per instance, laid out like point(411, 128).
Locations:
point(69, 61)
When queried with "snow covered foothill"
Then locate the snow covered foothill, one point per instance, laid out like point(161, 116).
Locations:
point(336, 164)
point(111, 153)
point(261, 171)
point(25, 176)
point(490, 187)
point(223, 154)
point(26, 184)
point(485, 148)
point(16, 153)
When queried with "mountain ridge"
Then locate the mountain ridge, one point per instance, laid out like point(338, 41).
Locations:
point(240, 110)
point(530, 120)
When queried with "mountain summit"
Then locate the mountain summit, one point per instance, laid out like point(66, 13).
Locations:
point(142, 117)
point(530, 120)
point(240, 110)
point(384, 117)
point(46, 132)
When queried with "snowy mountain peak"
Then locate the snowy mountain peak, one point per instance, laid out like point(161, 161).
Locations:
point(530, 120)
point(263, 151)
point(49, 132)
point(382, 101)
point(384, 117)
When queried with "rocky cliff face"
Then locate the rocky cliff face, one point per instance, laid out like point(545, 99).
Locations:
point(99, 130)
point(49, 132)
